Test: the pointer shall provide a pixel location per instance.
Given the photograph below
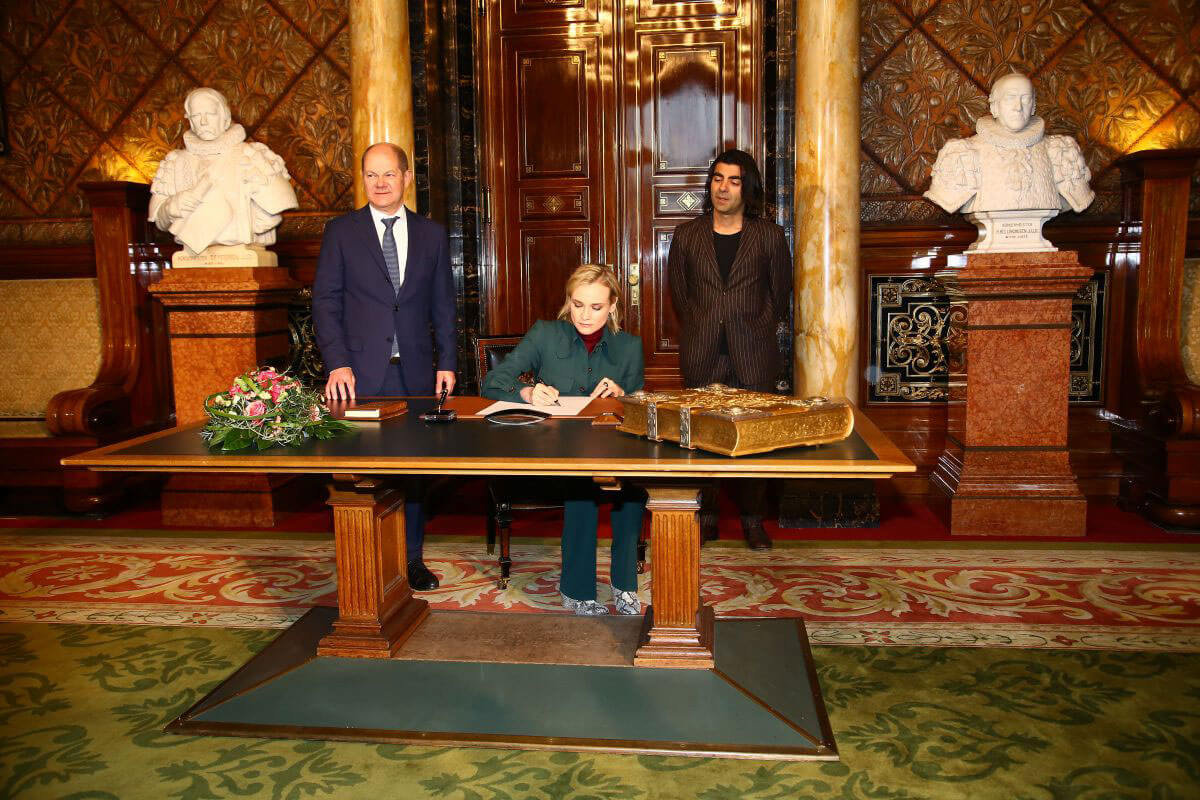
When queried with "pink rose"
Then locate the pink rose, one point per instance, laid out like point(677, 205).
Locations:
point(264, 375)
point(276, 391)
point(314, 413)
point(234, 390)
point(256, 409)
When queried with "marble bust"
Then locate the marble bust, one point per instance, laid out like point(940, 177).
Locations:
point(1010, 178)
point(220, 196)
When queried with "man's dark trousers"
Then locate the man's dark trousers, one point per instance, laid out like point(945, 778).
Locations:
point(414, 488)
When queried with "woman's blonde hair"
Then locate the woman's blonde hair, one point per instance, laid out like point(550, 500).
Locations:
point(595, 273)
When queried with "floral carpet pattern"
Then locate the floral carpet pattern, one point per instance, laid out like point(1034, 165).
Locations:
point(82, 708)
point(1087, 598)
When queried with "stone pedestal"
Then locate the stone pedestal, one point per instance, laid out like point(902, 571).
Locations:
point(1006, 469)
point(222, 322)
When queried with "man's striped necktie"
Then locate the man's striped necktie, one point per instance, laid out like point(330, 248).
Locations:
point(389, 253)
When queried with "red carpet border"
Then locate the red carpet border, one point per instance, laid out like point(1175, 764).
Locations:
point(1110, 599)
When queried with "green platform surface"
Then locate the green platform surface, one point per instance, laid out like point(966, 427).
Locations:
point(766, 659)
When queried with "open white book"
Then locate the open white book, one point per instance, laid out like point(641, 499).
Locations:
point(567, 407)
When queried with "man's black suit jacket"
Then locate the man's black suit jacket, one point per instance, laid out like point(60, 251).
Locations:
point(356, 313)
point(750, 305)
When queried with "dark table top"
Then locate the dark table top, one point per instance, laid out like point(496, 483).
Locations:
point(559, 446)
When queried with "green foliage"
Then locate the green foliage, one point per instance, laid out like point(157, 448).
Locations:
point(266, 409)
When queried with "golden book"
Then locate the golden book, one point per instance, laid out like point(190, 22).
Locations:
point(735, 422)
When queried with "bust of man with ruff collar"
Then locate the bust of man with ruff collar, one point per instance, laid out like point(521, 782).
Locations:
point(1010, 165)
point(220, 189)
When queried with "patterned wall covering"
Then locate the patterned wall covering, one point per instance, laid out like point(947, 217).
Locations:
point(93, 87)
point(1119, 75)
point(910, 320)
point(94, 90)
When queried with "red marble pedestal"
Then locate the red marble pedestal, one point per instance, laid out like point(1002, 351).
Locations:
point(1006, 469)
point(222, 321)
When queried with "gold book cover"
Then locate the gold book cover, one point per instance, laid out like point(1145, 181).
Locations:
point(735, 422)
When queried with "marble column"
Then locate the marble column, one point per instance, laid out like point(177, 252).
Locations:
point(381, 92)
point(826, 276)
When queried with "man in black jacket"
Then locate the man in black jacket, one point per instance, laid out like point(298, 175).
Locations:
point(730, 276)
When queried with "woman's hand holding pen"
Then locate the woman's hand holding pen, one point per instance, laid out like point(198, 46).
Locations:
point(607, 387)
point(540, 395)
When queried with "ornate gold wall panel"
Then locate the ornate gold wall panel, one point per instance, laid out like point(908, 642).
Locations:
point(94, 91)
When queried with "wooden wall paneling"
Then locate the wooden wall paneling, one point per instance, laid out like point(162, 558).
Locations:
point(27, 262)
point(1158, 434)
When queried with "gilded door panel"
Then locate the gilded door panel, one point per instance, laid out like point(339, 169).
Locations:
point(547, 258)
point(552, 113)
point(696, 93)
point(541, 14)
point(666, 325)
point(556, 165)
point(554, 204)
point(685, 9)
point(690, 116)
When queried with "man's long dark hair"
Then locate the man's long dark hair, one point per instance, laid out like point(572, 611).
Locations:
point(752, 183)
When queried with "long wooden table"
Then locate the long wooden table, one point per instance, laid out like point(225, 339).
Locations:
point(377, 610)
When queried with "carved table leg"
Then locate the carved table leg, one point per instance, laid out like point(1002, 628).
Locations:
point(376, 608)
point(679, 628)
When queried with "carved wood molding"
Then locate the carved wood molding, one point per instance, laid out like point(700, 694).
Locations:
point(33, 262)
point(129, 388)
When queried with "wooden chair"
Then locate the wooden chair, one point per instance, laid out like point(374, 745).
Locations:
point(85, 347)
point(509, 495)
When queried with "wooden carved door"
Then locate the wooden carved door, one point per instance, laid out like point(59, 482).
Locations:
point(600, 120)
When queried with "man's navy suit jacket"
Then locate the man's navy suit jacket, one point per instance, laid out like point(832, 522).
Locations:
point(356, 312)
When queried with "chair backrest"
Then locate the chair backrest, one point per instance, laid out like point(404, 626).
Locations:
point(491, 350)
point(50, 341)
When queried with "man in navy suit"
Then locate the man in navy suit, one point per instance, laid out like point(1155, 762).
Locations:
point(383, 280)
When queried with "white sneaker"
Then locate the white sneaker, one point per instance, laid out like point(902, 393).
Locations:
point(627, 602)
point(584, 608)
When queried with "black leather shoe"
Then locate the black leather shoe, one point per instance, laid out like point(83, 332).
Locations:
point(708, 529)
point(756, 537)
point(420, 578)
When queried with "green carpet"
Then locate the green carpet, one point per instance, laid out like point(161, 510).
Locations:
point(81, 708)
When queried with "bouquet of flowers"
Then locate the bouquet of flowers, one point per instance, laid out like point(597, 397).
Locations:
point(265, 408)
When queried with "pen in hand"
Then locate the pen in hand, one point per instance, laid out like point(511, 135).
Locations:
point(553, 402)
